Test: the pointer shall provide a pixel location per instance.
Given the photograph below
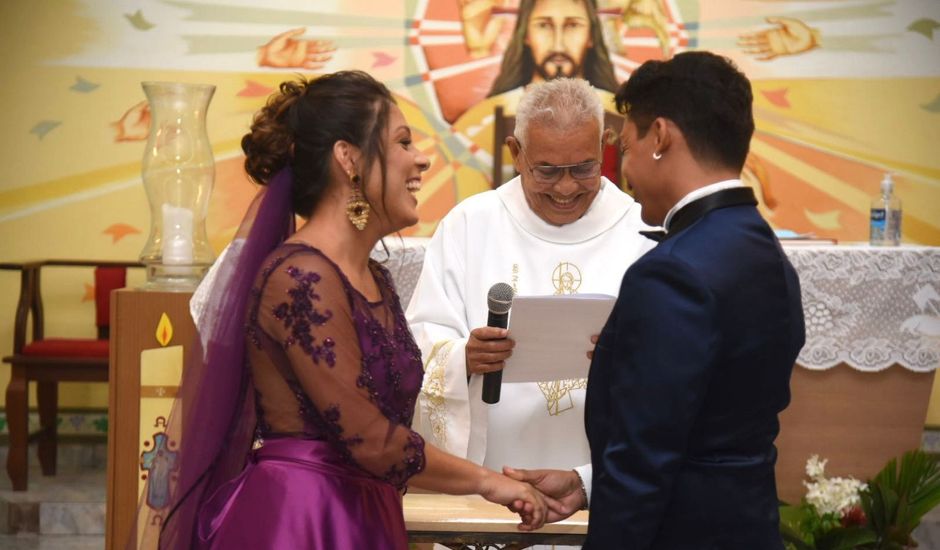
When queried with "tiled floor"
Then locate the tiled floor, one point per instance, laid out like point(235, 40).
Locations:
point(71, 505)
point(32, 541)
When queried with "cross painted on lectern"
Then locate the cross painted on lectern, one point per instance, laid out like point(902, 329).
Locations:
point(159, 463)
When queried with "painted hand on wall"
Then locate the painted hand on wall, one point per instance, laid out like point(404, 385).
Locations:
point(790, 36)
point(480, 28)
point(287, 51)
point(134, 124)
point(641, 13)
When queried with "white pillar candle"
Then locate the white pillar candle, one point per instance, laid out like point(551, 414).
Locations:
point(177, 235)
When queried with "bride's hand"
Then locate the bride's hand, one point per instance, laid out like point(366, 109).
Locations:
point(519, 497)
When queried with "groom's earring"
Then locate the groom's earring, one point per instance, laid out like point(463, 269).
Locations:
point(357, 209)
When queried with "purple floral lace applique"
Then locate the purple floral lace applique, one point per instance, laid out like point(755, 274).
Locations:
point(300, 314)
point(390, 372)
point(398, 474)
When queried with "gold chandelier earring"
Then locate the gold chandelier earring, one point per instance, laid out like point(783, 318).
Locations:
point(357, 209)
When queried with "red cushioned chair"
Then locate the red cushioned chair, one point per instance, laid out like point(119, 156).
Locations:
point(48, 361)
point(503, 126)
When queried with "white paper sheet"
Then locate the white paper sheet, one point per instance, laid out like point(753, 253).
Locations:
point(553, 335)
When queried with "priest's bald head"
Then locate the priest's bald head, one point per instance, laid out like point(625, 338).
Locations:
point(556, 148)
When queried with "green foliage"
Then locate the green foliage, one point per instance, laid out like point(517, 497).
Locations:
point(803, 528)
point(899, 496)
point(792, 519)
point(894, 503)
point(846, 538)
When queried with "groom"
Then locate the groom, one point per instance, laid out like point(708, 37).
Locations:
point(693, 365)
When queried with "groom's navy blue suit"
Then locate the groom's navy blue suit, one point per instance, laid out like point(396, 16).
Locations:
point(688, 377)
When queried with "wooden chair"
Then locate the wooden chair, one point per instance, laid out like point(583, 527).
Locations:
point(48, 361)
point(503, 126)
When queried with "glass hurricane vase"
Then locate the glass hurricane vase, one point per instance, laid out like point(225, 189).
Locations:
point(178, 172)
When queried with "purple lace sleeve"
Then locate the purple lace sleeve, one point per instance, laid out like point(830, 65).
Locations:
point(307, 307)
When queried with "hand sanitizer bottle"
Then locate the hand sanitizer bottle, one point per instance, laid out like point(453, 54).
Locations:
point(886, 215)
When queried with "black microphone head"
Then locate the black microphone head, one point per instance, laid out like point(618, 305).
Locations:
point(499, 298)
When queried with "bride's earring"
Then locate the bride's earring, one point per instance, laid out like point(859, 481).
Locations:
point(357, 209)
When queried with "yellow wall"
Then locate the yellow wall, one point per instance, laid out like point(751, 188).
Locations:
point(850, 92)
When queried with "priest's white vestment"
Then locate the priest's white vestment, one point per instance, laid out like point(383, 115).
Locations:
point(495, 237)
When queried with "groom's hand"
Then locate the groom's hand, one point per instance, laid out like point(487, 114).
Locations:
point(563, 486)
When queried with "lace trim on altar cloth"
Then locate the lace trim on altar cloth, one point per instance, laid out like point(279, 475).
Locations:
point(870, 307)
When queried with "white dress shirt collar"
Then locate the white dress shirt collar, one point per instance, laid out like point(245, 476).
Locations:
point(697, 194)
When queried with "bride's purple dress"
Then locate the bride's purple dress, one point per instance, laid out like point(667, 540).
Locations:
point(335, 379)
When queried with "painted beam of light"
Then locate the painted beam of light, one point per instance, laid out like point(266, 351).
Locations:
point(624, 63)
point(62, 198)
point(293, 18)
point(857, 12)
point(434, 184)
point(69, 199)
point(214, 44)
point(454, 70)
point(440, 40)
point(649, 42)
point(851, 196)
point(438, 25)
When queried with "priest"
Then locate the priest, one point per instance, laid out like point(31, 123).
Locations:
point(557, 228)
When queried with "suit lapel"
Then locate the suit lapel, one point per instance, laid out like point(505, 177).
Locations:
point(695, 210)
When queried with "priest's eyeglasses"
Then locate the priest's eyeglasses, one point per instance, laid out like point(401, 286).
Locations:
point(549, 174)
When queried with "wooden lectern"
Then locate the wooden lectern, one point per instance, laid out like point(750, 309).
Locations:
point(150, 334)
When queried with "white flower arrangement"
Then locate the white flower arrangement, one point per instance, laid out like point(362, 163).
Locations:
point(835, 495)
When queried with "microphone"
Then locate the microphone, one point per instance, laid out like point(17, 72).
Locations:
point(498, 302)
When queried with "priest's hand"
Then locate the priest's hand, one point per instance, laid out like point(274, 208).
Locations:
point(562, 486)
point(487, 350)
point(594, 340)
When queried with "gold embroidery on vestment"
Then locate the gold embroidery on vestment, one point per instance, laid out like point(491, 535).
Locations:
point(555, 393)
point(566, 278)
point(433, 390)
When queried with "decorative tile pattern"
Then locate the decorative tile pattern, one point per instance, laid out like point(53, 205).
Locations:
point(83, 422)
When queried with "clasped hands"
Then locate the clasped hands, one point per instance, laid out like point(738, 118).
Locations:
point(561, 491)
point(538, 496)
point(558, 493)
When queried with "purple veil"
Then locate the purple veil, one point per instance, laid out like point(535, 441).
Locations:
point(213, 415)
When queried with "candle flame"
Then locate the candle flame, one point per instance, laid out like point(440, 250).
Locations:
point(164, 330)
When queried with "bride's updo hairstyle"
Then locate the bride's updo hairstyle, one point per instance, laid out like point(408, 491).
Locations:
point(299, 125)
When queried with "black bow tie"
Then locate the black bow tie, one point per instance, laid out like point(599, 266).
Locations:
point(654, 234)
